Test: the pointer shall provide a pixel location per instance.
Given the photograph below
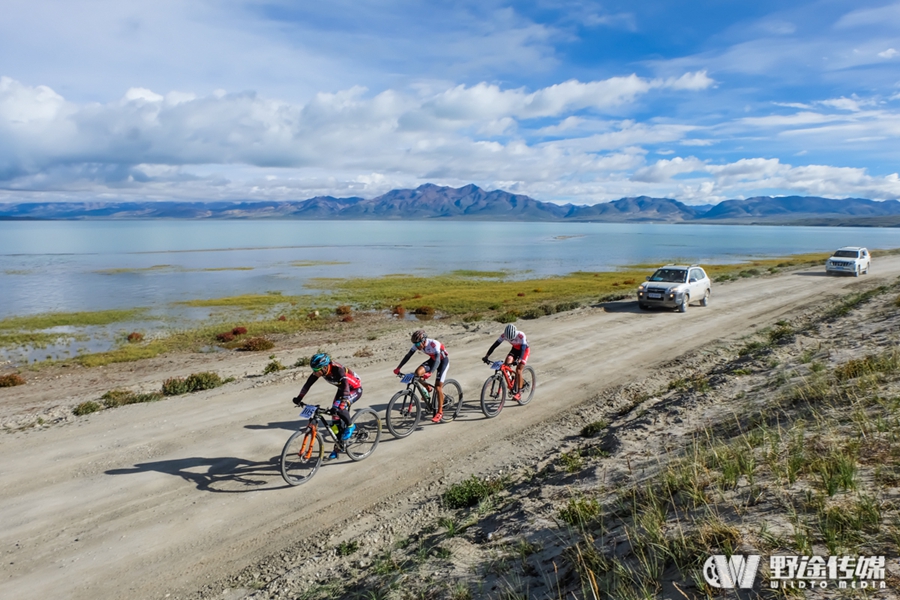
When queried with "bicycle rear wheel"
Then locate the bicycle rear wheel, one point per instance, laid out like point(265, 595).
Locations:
point(529, 382)
point(452, 400)
point(403, 413)
point(302, 456)
point(493, 396)
point(366, 436)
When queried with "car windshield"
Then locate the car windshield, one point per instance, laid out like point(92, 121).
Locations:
point(846, 254)
point(670, 275)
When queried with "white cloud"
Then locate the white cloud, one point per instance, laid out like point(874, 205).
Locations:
point(889, 53)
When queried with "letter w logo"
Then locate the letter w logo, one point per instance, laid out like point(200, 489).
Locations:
point(729, 573)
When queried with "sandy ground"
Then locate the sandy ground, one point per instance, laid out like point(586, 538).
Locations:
point(164, 499)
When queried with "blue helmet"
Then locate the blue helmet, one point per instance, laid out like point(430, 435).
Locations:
point(319, 361)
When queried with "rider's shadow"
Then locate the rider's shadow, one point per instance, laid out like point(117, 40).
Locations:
point(227, 474)
point(288, 425)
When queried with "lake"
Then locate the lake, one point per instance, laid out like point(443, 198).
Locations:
point(63, 266)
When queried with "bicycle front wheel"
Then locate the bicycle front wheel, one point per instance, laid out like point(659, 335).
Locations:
point(493, 396)
point(453, 398)
point(529, 382)
point(366, 436)
point(302, 456)
point(403, 413)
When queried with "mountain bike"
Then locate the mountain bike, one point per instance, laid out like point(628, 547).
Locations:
point(305, 449)
point(495, 388)
point(404, 411)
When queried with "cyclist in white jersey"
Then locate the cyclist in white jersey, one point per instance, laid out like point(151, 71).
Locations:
point(437, 363)
point(518, 354)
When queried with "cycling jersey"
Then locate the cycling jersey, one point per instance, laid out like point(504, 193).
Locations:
point(339, 376)
point(517, 342)
point(432, 348)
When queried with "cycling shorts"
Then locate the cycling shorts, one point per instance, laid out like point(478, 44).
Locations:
point(342, 403)
point(439, 377)
point(520, 354)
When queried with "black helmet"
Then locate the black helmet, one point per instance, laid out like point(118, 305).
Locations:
point(418, 336)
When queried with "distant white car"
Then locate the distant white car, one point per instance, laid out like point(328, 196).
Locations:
point(675, 286)
point(849, 259)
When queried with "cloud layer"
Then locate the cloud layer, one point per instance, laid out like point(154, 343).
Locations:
point(487, 93)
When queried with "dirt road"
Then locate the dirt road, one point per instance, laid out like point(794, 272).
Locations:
point(157, 500)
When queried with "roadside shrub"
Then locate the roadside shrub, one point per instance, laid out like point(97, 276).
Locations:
point(86, 408)
point(564, 306)
point(114, 398)
point(472, 318)
point(471, 491)
point(225, 337)
point(343, 310)
point(510, 316)
point(364, 352)
point(303, 361)
point(592, 429)
point(195, 382)
point(399, 310)
point(538, 312)
point(11, 380)
point(257, 345)
point(347, 319)
point(579, 511)
point(282, 318)
point(134, 337)
point(274, 366)
point(239, 331)
point(424, 311)
point(521, 294)
point(749, 273)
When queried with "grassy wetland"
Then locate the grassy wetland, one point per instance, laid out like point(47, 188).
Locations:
point(468, 295)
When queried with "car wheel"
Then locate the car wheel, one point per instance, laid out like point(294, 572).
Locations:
point(705, 301)
point(685, 300)
point(866, 272)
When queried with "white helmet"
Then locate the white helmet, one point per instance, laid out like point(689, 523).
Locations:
point(510, 332)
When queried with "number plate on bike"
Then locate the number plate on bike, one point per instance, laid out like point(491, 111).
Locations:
point(496, 365)
point(309, 411)
point(407, 378)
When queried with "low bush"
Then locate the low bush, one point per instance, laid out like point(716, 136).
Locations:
point(592, 429)
point(347, 319)
point(239, 331)
point(11, 380)
point(399, 310)
point(424, 311)
point(564, 306)
point(86, 408)
point(510, 316)
point(134, 337)
point(274, 366)
point(114, 398)
point(195, 382)
point(472, 318)
point(257, 345)
point(225, 337)
point(343, 310)
point(303, 361)
point(471, 491)
point(521, 294)
point(364, 352)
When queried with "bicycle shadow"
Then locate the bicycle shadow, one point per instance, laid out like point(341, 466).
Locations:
point(227, 474)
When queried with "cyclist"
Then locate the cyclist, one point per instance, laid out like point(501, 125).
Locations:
point(349, 390)
point(518, 354)
point(437, 363)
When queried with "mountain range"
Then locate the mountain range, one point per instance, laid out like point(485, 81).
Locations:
point(430, 201)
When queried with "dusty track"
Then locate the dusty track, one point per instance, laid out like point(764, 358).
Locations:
point(160, 499)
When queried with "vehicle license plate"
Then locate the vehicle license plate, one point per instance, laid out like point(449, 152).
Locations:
point(654, 296)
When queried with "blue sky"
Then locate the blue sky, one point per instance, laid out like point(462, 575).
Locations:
point(566, 101)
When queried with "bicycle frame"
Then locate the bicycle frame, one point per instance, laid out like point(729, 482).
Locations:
point(507, 371)
point(413, 381)
point(316, 420)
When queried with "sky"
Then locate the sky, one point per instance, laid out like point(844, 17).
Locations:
point(565, 100)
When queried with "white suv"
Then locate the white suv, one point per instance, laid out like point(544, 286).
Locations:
point(849, 259)
point(675, 286)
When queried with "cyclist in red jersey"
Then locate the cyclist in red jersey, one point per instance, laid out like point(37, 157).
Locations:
point(349, 390)
point(518, 355)
point(437, 363)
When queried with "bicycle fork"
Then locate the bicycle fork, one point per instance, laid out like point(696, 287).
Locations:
point(308, 441)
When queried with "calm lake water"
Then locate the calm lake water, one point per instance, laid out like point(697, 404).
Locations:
point(53, 266)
